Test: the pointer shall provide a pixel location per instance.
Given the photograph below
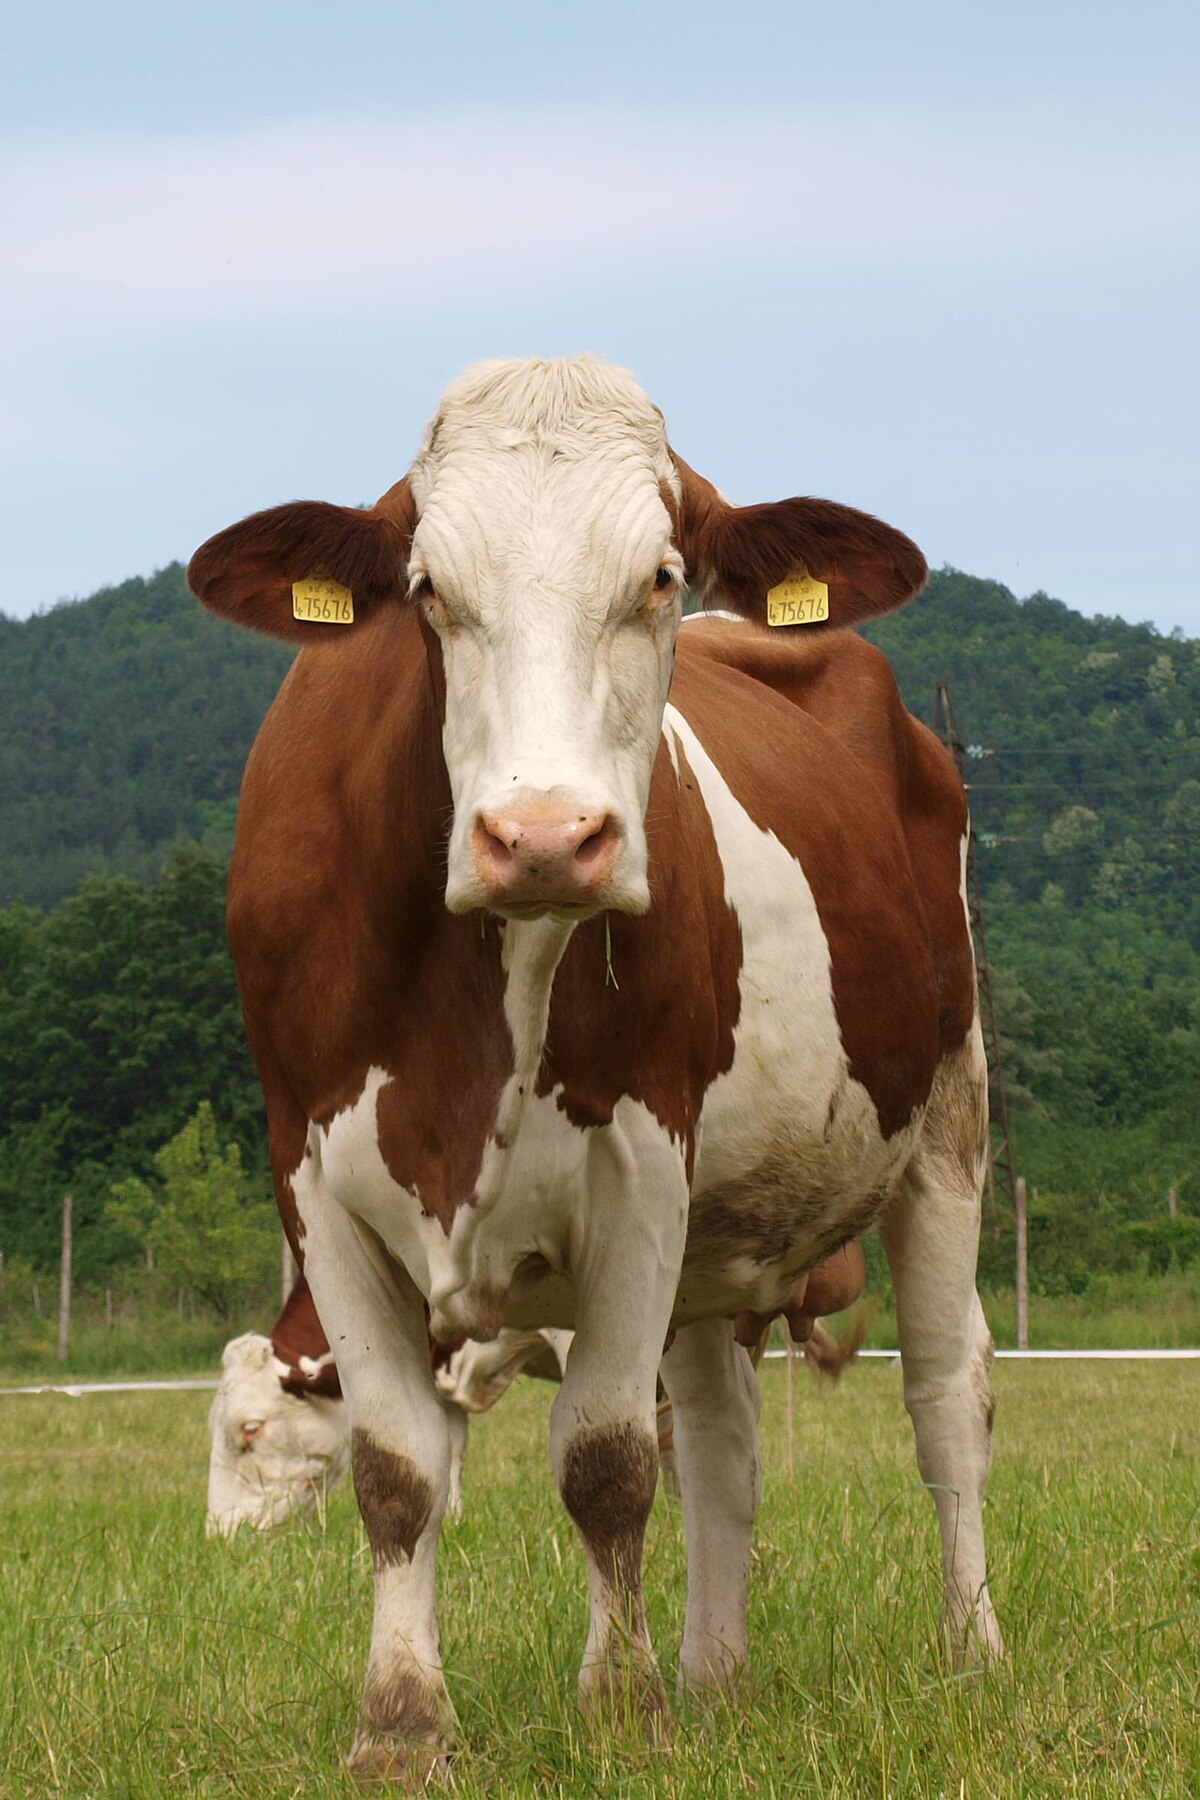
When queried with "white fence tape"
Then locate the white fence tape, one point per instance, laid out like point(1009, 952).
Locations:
point(1053, 1355)
point(75, 1389)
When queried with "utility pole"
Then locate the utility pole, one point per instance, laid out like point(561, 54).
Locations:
point(1002, 1179)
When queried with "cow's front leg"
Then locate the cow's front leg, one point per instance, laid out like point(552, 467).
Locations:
point(400, 1459)
point(714, 1393)
point(603, 1434)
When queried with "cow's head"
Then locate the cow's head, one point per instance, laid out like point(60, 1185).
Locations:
point(546, 531)
point(273, 1453)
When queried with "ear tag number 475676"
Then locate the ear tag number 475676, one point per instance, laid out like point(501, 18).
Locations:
point(800, 600)
point(319, 601)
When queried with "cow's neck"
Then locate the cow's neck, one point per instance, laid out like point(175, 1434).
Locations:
point(530, 954)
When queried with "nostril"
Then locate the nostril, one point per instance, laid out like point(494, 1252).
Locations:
point(491, 840)
point(598, 844)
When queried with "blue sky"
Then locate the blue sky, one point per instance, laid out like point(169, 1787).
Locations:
point(941, 262)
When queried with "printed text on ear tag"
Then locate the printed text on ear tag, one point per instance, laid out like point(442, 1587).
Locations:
point(800, 600)
point(319, 601)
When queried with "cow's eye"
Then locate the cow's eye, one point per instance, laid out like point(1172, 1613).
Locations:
point(424, 588)
point(664, 579)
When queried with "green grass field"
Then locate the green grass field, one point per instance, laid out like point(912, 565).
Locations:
point(137, 1659)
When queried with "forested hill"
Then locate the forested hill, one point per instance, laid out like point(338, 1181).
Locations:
point(125, 720)
point(1083, 742)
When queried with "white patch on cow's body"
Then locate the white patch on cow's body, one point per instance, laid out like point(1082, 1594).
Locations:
point(312, 1365)
point(964, 851)
point(672, 743)
point(787, 1123)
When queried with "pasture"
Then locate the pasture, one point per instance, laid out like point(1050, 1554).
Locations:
point(137, 1659)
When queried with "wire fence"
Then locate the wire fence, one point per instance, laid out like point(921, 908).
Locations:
point(75, 1390)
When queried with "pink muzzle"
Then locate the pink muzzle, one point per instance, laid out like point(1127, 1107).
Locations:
point(558, 857)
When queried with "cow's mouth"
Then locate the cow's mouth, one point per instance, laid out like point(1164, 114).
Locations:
point(548, 909)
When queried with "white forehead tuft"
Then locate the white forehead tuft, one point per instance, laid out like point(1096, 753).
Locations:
point(572, 407)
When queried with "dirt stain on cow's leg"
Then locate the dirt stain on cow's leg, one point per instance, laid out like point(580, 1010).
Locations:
point(609, 1475)
point(394, 1498)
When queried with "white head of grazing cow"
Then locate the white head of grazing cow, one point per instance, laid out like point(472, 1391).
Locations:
point(273, 1453)
point(543, 559)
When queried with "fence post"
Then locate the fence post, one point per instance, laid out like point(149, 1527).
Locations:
point(1022, 1264)
point(1172, 1204)
point(287, 1271)
point(64, 1284)
point(788, 1365)
point(108, 1309)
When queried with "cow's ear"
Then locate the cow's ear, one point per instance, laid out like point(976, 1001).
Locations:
point(308, 570)
point(817, 562)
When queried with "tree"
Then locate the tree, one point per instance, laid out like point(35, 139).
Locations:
point(210, 1234)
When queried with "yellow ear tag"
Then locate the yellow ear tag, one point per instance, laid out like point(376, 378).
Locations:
point(319, 601)
point(800, 600)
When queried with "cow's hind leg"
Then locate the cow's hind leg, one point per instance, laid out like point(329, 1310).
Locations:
point(931, 1234)
point(714, 1393)
point(400, 1459)
point(603, 1437)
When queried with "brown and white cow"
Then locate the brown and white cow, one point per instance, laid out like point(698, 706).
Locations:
point(601, 974)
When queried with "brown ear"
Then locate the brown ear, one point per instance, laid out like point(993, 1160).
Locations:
point(247, 572)
point(736, 554)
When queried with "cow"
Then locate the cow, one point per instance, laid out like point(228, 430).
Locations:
point(605, 975)
point(280, 1440)
point(277, 1430)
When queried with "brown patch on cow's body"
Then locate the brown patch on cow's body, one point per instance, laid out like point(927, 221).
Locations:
point(394, 1498)
point(347, 957)
point(661, 1029)
point(297, 1333)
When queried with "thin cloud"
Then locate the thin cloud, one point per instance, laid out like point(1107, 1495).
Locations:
point(333, 218)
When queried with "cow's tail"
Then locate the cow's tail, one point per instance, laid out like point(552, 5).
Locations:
point(827, 1354)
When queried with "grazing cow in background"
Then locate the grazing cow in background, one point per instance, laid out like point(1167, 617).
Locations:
point(602, 975)
point(280, 1439)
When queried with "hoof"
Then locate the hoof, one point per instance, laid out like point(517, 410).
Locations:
point(972, 1643)
point(628, 1699)
point(721, 1681)
point(411, 1765)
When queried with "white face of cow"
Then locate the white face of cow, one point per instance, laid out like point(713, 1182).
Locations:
point(543, 559)
point(273, 1453)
